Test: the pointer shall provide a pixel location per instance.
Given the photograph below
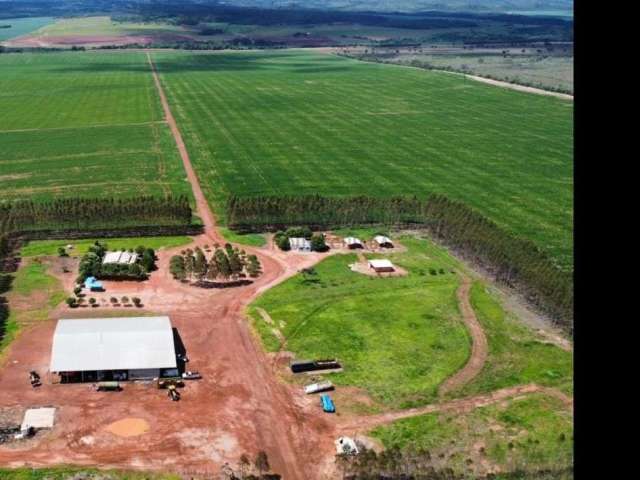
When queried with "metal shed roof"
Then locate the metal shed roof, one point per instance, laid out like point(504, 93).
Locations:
point(380, 263)
point(120, 256)
point(381, 239)
point(352, 241)
point(297, 243)
point(113, 344)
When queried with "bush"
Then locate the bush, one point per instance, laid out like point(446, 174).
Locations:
point(136, 301)
point(62, 252)
point(318, 243)
point(71, 302)
point(92, 301)
point(125, 299)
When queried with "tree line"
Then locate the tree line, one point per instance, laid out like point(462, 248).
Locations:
point(513, 260)
point(92, 213)
point(226, 263)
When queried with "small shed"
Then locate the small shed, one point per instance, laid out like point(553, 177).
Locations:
point(38, 418)
point(93, 284)
point(300, 244)
point(121, 257)
point(353, 242)
point(381, 265)
point(383, 241)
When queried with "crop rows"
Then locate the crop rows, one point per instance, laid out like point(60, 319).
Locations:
point(300, 123)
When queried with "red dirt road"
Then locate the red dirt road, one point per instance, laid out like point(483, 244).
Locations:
point(479, 346)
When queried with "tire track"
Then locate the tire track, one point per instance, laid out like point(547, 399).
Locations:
point(479, 347)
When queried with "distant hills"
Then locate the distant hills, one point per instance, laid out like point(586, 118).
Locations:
point(531, 7)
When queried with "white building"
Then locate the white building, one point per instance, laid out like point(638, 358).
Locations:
point(300, 244)
point(381, 265)
point(122, 257)
point(383, 241)
point(113, 349)
point(353, 242)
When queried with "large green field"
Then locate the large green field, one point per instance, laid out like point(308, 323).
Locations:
point(83, 124)
point(298, 123)
point(399, 338)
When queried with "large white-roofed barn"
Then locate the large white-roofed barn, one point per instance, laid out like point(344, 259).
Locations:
point(100, 349)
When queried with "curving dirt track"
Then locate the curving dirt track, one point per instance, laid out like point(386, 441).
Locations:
point(479, 347)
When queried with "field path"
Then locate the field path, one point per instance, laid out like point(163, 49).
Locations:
point(461, 405)
point(276, 420)
point(201, 202)
point(479, 347)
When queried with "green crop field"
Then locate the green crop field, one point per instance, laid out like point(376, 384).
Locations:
point(300, 123)
point(21, 26)
point(399, 338)
point(83, 124)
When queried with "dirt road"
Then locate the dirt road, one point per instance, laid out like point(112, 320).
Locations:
point(479, 347)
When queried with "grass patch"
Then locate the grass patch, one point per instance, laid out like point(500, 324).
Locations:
point(34, 293)
point(67, 473)
point(534, 432)
point(516, 354)
point(332, 122)
point(249, 239)
point(398, 338)
point(38, 248)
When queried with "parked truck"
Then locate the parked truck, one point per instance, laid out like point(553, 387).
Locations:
point(327, 404)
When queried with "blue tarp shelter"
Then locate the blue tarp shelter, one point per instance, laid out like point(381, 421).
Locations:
point(93, 284)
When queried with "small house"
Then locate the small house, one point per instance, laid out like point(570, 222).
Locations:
point(353, 242)
point(382, 241)
point(382, 265)
point(300, 244)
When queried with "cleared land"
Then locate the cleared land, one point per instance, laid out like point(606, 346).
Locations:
point(21, 26)
point(77, 124)
point(299, 122)
point(97, 31)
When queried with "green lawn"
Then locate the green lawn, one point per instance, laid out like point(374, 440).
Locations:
point(398, 338)
point(70, 473)
point(531, 433)
point(250, 239)
point(43, 292)
point(516, 355)
point(293, 122)
point(37, 248)
point(84, 124)
point(21, 26)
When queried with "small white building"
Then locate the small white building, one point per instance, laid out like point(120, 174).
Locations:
point(121, 257)
point(353, 242)
point(383, 241)
point(346, 446)
point(381, 265)
point(300, 244)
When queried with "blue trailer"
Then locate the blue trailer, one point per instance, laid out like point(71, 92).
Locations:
point(327, 404)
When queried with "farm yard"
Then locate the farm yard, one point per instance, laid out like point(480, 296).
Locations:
point(296, 122)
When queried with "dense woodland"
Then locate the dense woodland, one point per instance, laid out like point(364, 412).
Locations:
point(90, 214)
point(513, 260)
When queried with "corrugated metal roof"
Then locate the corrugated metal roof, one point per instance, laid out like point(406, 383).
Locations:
point(297, 243)
point(352, 241)
point(112, 344)
point(120, 256)
point(381, 239)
